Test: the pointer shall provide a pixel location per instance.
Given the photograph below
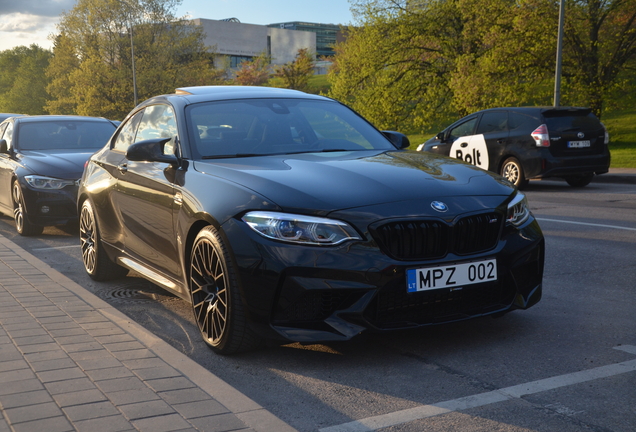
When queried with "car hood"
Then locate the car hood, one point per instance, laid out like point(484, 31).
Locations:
point(63, 164)
point(326, 182)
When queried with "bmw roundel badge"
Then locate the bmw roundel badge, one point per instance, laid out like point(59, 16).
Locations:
point(580, 135)
point(439, 206)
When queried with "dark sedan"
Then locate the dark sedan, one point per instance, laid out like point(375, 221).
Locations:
point(41, 161)
point(286, 216)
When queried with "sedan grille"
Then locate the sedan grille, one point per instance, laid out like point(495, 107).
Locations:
point(432, 239)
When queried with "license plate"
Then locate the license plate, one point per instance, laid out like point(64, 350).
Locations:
point(451, 276)
point(578, 144)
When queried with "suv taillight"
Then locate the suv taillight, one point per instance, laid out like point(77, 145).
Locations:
point(541, 137)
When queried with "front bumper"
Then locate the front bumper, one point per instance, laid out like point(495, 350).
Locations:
point(50, 207)
point(310, 295)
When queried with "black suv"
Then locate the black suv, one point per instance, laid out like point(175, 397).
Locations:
point(529, 142)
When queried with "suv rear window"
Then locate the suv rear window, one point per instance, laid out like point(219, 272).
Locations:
point(578, 120)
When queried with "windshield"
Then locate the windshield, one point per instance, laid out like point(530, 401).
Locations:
point(64, 135)
point(278, 126)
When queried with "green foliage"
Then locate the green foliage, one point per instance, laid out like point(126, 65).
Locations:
point(600, 48)
point(620, 125)
point(92, 73)
point(254, 72)
point(391, 69)
point(318, 84)
point(413, 62)
point(22, 79)
point(295, 75)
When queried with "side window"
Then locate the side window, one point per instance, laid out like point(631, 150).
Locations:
point(7, 134)
point(463, 129)
point(158, 121)
point(493, 121)
point(522, 122)
point(127, 133)
point(2, 128)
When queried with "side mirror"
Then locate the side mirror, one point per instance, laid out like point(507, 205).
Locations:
point(151, 151)
point(440, 136)
point(398, 139)
point(4, 147)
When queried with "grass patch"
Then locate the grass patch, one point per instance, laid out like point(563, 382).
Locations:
point(620, 125)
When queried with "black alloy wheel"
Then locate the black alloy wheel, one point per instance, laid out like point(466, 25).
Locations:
point(216, 303)
point(512, 171)
point(96, 263)
point(22, 224)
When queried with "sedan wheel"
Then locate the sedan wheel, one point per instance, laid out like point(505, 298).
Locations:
point(216, 302)
point(96, 263)
point(22, 224)
point(513, 172)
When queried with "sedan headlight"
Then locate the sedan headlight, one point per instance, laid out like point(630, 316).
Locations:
point(518, 211)
point(299, 229)
point(40, 182)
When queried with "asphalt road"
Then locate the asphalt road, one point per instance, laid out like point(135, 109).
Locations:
point(567, 364)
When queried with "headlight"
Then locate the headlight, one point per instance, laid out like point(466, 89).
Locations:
point(300, 229)
point(39, 182)
point(518, 211)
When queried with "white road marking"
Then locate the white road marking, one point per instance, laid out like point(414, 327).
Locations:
point(57, 247)
point(588, 224)
point(417, 413)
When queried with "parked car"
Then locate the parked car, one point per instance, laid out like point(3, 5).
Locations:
point(286, 216)
point(530, 142)
point(41, 161)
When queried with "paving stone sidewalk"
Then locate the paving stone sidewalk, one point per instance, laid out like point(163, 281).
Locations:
point(69, 361)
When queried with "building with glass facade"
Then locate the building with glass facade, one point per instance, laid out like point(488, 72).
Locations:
point(326, 34)
point(235, 42)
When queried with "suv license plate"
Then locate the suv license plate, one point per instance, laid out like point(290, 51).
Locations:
point(451, 276)
point(578, 144)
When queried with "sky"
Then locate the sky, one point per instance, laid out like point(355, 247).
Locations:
point(26, 22)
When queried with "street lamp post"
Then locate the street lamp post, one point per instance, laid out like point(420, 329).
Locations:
point(132, 56)
point(557, 78)
point(132, 45)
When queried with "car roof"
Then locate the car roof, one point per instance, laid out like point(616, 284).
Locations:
point(218, 93)
point(538, 109)
point(35, 118)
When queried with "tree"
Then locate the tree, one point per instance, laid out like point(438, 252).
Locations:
point(394, 68)
point(254, 72)
point(295, 75)
point(22, 79)
point(600, 51)
point(60, 71)
point(412, 62)
point(91, 73)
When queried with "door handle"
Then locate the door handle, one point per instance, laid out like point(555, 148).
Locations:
point(123, 168)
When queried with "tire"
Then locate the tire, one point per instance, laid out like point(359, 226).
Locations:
point(96, 262)
point(216, 300)
point(512, 171)
point(579, 181)
point(22, 224)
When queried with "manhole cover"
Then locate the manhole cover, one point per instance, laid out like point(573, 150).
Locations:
point(135, 291)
